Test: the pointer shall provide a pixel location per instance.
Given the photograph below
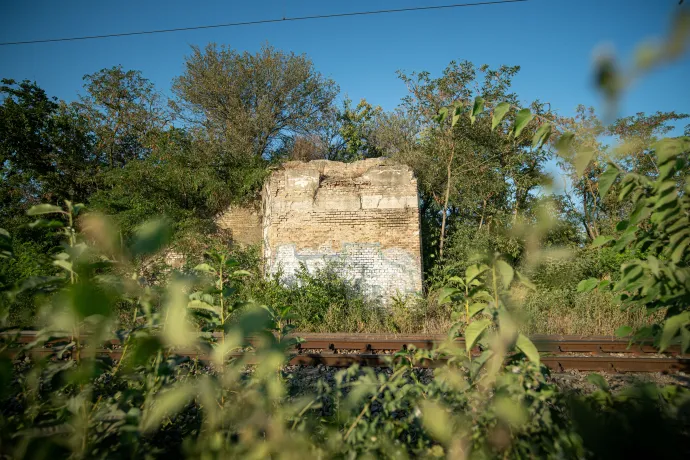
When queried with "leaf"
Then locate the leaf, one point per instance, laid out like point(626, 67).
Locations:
point(582, 159)
point(522, 279)
point(151, 236)
point(506, 272)
point(677, 254)
point(601, 240)
point(445, 295)
point(669, 148)
point(476, 308)
point(199, 305)
point(437, 421)
point(473, 271)
point(510, 411)
point(607, 179)
point(587, 285)
point(499, 112)
point(477, 108)
point(523, 117)
point(205, 268)
point(671, 327)
point(525, 345)
point(177, 331)
point(65, 265)
point(456, 115)
point(684, 340)
point(564, 143)
point(241, 273)
point(44, 209)
point(541, 136)
point(88, 299)
point(43, 223)
point(598, 381)
point(144, 348)
point(474, 331)
point(442, 114)
point(167, 404)
point(653, 264)
point(623, 331)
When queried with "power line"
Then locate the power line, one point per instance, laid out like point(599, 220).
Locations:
point(263, 21)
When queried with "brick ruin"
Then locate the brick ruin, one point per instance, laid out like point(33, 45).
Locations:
point(361, 216)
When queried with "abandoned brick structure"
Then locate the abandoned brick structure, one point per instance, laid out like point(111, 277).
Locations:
point(363, 216)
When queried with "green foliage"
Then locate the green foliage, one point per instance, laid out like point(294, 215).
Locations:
point(251, 104)
point(153, 402)
point(318, 301)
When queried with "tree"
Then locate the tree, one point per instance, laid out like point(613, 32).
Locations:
point(469, 173)
point(125, 111)
point(356, 130)
point(254, 103)
point(176, 180)
point(587, 154)
point(45, 149)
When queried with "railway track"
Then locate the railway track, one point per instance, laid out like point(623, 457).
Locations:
point(560, 353)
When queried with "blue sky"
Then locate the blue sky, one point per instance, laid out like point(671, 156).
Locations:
point(552, 40)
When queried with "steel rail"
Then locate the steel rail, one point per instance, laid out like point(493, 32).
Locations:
point(615, 364)
point(393, 342)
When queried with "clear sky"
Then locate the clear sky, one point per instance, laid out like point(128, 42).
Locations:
point(552, 40)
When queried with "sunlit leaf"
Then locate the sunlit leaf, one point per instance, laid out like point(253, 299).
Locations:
point(499, 112)
point(542, 135)
point(437, 421)
point(525, 345)
point(44, 209)
point(522, 279)
point(607, 179)
point(474, 331)
point(623, 331)
point(587, 285)
point(476, 308)
point(442, 114)
point(506, 272)
point(671, 327)
point(582, 159)
point(205, 268)
point(564, 143)
point(166, 404)
point(446, 294)
point(523, 117)
point(510, 411)
point(601, 240)
point(456, 115)
point(477, 108)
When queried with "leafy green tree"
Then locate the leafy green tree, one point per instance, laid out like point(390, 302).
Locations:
point(176, 179)
point(356, 128)
point(471, 172)
point(45, 150)
point(124, 111)
point(253, 104)
point(588, 151)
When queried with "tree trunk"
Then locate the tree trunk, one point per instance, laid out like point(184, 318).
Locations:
point(445, 202)
point(481, 221)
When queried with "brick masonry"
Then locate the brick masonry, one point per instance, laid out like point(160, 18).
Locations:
point(242, 224)
point(363, 215)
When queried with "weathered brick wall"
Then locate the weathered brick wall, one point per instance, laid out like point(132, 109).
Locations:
point(242, 223)
point(364, 215)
